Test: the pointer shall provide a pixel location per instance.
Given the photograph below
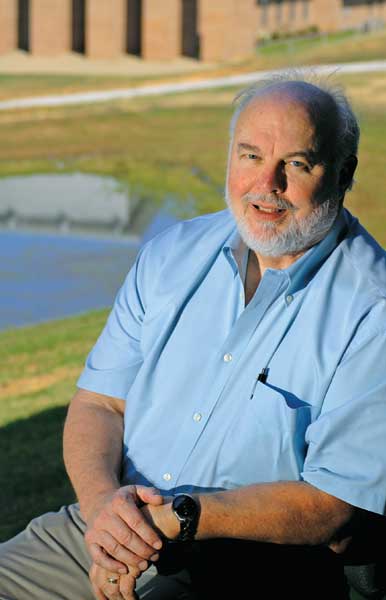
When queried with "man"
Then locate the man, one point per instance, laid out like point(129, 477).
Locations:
point(248, 364)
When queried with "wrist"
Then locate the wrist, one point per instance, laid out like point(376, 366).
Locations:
point(91, 505)
point(163, 519)
point(171, 523)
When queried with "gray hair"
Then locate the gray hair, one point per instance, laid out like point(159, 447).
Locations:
point(326, 102)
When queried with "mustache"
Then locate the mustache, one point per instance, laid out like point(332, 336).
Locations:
point(271, 199)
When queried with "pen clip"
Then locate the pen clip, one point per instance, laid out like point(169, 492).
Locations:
point(263, 375)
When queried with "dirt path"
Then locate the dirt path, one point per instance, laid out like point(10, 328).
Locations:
point(167, 88)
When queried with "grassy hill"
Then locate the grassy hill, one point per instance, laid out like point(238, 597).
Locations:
point(40, 366)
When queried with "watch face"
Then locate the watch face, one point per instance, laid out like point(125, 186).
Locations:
point(184, 506)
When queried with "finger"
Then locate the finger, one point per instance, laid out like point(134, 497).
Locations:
point(149, 495)
point(135, 520)
point(117, 548)
point(114, 536)
point(134, 543)
point(93, 575)
point(127, 585)
point(101, 580)
point(121, 523)
point(97, 593)
point(136, 572)
point(111, 591)
point(105, 561)
point(94, 542)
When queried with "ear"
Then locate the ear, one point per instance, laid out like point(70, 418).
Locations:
point(347, 172)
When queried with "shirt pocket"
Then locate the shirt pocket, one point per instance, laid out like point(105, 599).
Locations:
point(266, 441)
point(280, 409)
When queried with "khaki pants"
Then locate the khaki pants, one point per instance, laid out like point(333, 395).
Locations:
point(49, 561)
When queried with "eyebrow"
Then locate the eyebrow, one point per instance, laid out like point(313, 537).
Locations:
point(243, 146)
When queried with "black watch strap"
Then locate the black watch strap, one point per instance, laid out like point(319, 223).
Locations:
point(187, 510)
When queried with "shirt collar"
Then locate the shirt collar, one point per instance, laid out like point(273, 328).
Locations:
point(302, 270)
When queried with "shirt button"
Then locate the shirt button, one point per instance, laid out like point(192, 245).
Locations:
point(197, 417)
point(228, 357)
point(241, 295)
point(166, 476)
point(289, 299)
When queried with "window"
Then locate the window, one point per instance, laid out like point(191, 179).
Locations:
point(358, 2)
point(23, 25)
point(133, 27)
point(306, 9)
point(279, 11)
point(263, 11)
point(292, 10)
point(78, 26)
point(190, 34)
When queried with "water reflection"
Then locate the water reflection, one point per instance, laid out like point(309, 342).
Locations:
point(67, 243)
point(66, 202)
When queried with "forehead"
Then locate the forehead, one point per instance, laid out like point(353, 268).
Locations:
point(279, 120)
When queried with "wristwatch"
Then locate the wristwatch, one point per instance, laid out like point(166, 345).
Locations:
point(187, 510)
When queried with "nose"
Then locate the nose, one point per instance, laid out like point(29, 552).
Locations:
point(270, 179)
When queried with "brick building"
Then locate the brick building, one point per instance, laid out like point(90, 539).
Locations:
point(209, 30)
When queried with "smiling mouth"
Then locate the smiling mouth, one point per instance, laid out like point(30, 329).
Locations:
point(269, 210)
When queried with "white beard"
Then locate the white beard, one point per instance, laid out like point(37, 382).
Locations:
point(298, 236)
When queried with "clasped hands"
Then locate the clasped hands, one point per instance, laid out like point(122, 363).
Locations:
point(123, 535)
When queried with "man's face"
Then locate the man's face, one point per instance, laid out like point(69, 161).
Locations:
point(276, 179)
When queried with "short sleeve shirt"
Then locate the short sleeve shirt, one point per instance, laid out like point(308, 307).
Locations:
point(185, 353)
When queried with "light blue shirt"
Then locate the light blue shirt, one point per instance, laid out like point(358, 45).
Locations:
point(184, 352)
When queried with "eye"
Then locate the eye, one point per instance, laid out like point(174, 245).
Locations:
point(251, 156)
point(298, 164)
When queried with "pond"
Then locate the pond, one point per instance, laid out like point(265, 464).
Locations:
point(62, 249)
point(47, 276)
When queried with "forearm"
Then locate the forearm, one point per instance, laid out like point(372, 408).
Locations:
point(92, 446)
point(282, 513)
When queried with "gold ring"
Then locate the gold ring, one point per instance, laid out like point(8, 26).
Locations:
point(112, 579)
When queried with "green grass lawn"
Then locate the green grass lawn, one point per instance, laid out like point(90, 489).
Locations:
point(40, 366)
point(345, 46)
point(23, 85)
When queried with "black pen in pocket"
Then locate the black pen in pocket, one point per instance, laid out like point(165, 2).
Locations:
point(262, 377)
